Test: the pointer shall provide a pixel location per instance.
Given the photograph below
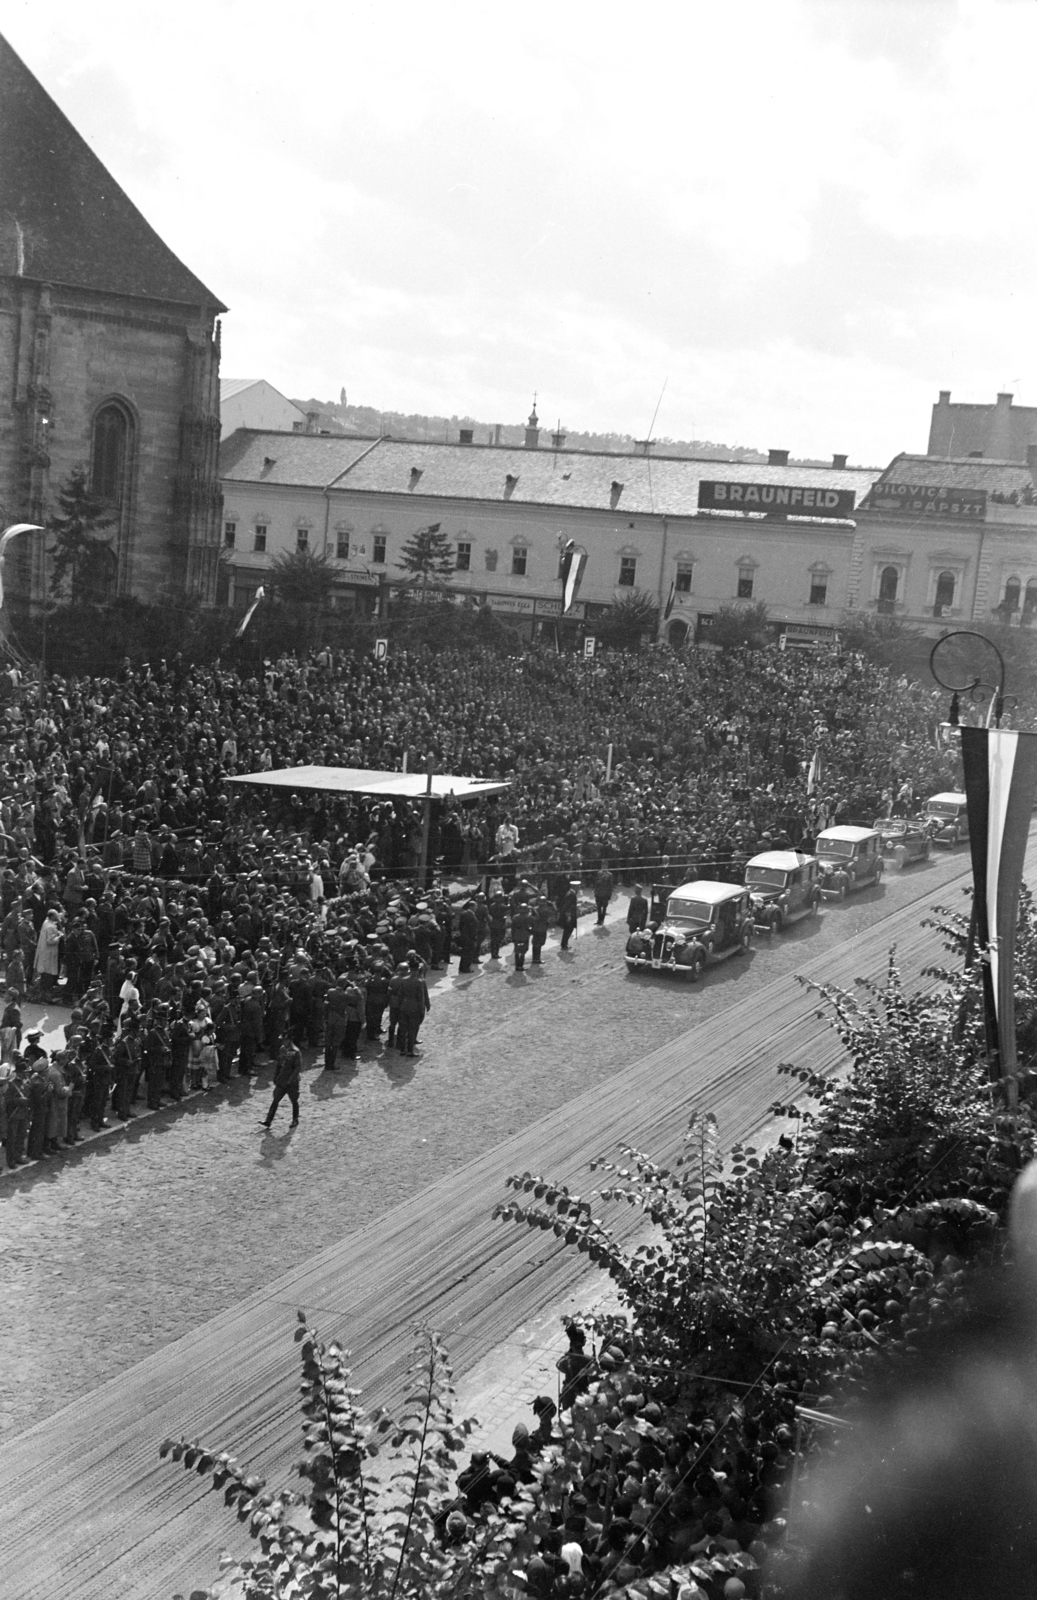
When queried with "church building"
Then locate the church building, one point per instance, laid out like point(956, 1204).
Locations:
point(109, 359)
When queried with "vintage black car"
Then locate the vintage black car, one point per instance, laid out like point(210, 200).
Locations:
point(948, 818)
point(783, 887)
point(850, 858)
point(904, 838)
point(703, 921)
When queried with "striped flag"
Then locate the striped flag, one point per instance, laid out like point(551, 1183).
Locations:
point(249, 614)
point(571, 573)
point(671, 600)
point(1000, 780)
point(814, 775)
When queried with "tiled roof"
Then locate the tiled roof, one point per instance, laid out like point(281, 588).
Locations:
point(229, 387)
point(63, 217)
point(959, 472)
point(666, 485)
point(309, 460)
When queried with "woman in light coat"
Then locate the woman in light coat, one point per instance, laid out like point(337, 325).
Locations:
point(47, 951)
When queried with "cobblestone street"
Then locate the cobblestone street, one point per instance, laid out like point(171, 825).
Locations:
point(137, 1238)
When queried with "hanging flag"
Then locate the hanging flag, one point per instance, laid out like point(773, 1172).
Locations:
point(814, 775)
point(668, 611)
point(247, 618)
point(1000, 780)
point(572, 570)
point(5, 539)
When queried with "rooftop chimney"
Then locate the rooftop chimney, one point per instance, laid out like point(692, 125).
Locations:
point(975, 455)
point(839, 462)
point(532, 428)
point(617, 490)
point(999, 439)
point(558, 438)
point(777, 458)
point(312, 419)
point(642, 447)
point(466, 436)
point(945, 397)
point(1031, 456)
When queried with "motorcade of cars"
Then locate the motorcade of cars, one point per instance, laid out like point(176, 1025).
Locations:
point(904, 838)
point(948, 817)
point(783, 888)
point(704, 921)
point(849, 858)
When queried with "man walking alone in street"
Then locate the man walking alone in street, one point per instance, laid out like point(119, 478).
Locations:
point(286, 1082)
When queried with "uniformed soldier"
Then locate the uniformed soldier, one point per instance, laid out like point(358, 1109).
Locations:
point(540, 922)
point(568, 913)
point(521, 932)
point(468, 933)
point(637, 910)
point(156, 1052)
point(498, 924)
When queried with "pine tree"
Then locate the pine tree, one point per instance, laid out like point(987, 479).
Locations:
point(77, 552)
point(428, 555)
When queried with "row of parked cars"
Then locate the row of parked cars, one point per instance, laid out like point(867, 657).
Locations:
point(704, 921)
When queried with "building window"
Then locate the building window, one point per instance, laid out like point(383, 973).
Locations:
point(745, 583)
point(230, 534)
point(627, 571)
point(518, 561)
point(464, 556)
point(1030, 598)
point(889, 582)
point(1011, 600)
point(378, 558)
point(945, 586)
point(302, 539)
point(682, 582)
point(342, 546)
point(110, 453)
point(260, 544)
point(819, 591)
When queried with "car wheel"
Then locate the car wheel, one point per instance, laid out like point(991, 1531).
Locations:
point(698, 962)
point(744, 938)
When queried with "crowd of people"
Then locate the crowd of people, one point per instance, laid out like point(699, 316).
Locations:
point(194, 924)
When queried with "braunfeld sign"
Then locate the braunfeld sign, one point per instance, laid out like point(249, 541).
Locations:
point(780, 498)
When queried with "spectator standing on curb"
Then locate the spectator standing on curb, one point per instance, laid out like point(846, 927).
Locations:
point(355, 1012)
point(468, 934)
point(286, 1082)
point(16, 1103)
point(507, 852)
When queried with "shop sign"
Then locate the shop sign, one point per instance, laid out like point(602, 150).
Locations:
point(511, 602)
point(928, 500)
point(366, 580)
point(776, 497)
point(553, 608)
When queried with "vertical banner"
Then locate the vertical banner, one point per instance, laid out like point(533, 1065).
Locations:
point(571, 572)
point(1000, 779)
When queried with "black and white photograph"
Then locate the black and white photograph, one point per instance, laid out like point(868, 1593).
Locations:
point(518, 659)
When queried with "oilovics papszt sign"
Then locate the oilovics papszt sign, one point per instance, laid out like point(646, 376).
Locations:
point(929, 500)
point(780, 498)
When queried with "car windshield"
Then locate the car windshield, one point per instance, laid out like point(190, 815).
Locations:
point(891, 825)
point(942, 808)
point(835, 847)
point(766, 877)
point(688, 910)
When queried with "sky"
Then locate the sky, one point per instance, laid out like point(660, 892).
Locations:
point(795, 221)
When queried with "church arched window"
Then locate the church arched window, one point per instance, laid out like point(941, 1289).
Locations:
point(110, 453)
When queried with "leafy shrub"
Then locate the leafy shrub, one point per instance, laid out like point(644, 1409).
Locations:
point(360, 1529)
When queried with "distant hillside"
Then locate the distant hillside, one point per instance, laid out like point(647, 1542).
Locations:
point(366, 420)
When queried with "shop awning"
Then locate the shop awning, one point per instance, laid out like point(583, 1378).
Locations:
point(361, 780)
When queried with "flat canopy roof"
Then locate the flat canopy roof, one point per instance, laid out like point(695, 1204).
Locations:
point(361, 780)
